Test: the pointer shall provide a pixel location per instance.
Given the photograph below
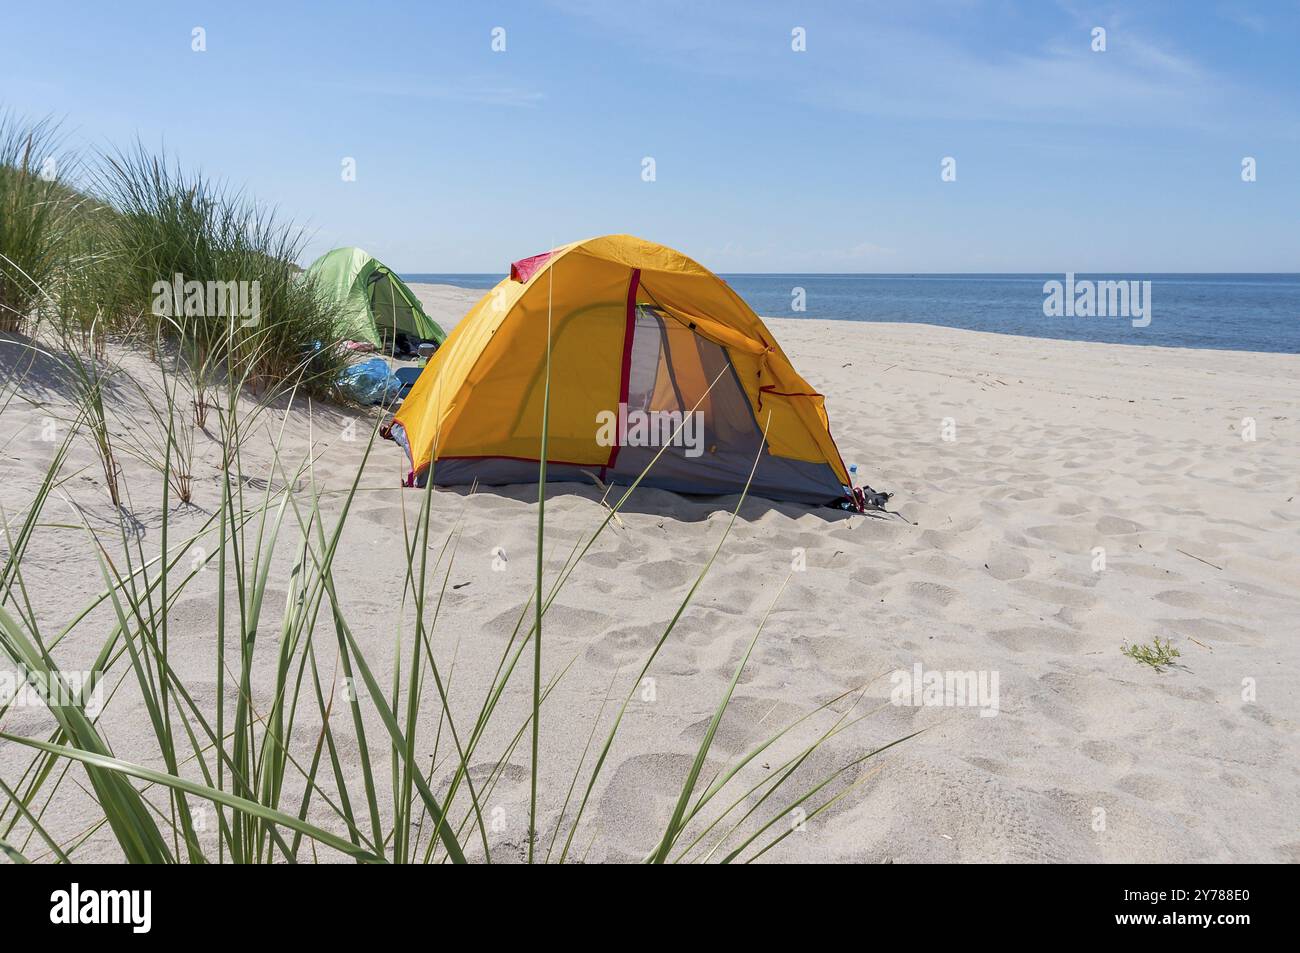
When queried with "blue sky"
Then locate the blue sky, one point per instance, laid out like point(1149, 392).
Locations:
point(766, 159)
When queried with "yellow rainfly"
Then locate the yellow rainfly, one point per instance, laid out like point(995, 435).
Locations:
point(636, 326)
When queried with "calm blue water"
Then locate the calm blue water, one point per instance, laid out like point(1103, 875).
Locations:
point(1232, 312)
point(485, 282)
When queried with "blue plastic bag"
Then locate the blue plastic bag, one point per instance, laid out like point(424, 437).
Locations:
point(370, 382)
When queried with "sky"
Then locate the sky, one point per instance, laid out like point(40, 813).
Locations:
point(766, 158)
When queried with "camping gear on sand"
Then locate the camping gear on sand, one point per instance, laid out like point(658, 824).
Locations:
point(407, 376)
point(376, 306)
point(370, 382)
point(649, 351)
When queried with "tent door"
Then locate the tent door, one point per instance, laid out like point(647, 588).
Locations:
point(684, 394)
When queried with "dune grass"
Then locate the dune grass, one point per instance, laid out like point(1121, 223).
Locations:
point(85, 240)
point(81, 265)
point(35, 215)
point(167, 222)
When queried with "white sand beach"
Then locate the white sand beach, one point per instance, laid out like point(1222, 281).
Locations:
point(987, 564)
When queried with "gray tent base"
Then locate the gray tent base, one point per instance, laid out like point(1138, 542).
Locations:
point(725, 473)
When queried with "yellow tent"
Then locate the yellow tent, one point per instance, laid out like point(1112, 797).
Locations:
point(649, 350)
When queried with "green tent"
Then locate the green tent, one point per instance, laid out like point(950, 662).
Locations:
point(375, 303)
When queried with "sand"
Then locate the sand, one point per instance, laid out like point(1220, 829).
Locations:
point(987, 564)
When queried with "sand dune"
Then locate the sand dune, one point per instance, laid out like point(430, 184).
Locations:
point(987, 565)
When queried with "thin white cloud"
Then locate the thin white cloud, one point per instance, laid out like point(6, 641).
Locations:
point(886, 62)
point(1245, 17)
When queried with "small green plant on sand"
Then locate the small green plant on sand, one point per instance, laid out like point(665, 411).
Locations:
point(1159, 655)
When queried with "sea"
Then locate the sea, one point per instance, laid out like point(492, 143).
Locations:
point(1235, 312)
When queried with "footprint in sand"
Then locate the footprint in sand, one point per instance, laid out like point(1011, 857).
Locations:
point(1180, 598)
point(935, 564)
point(1149, 787)
point(932, 595)
point(1114, 526)
point(1064, 537)
point(1006, 563)
point(1022, 496)
point(1210, 631)
point(1107, 753)
point(866, 576)
point(936, 540)
point(510, 773)
point(1056, 595)
point(843, 660)
point(624, 646)
point(642, 786)
point(606, 560)
point(1038, 638)
point(665, 575)
point(747, 722)
point(573, 622)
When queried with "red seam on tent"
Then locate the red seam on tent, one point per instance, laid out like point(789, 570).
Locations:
point(525, 268)
point(629, 332)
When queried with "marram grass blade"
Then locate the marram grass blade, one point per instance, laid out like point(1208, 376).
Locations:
point(124, 769)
